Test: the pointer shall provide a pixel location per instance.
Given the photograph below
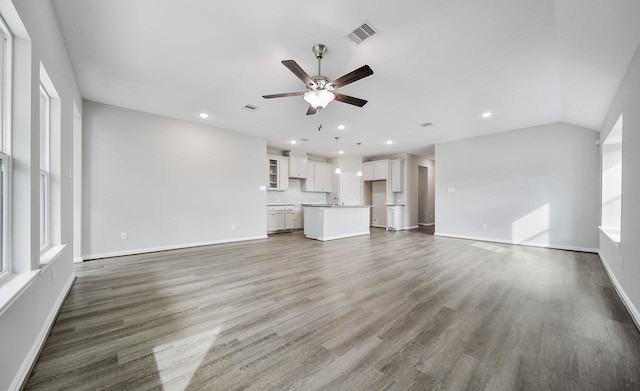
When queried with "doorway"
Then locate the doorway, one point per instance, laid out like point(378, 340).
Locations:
point(423, 195)
point(77, 184)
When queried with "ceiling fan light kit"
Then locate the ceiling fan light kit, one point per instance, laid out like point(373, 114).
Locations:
point(320, 89)
point(319, 99)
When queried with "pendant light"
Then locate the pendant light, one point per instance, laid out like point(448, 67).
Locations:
point(338, 170)
point(359, 173)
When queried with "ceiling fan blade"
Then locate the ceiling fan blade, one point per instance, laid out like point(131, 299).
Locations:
point(283, 95)
point(311, 110)
point(350, 77)
point(299, 72)
point(350, 100)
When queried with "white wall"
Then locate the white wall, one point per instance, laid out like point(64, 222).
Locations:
point(24, 323)
point(623, 262)
point(536, 186)
point(167, 183)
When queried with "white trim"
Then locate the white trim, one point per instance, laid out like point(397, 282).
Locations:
point(13, 287)
point(530, 244)
point(165, 248)
point(613, 234)
point(78, 260)
point(324, 239)
point(30, 360)
point(426, 224)
point(633, 311)
point(50, 255)
point(379, 226)
point(412, 227)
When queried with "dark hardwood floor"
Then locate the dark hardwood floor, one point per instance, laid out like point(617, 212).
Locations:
point(390, 311)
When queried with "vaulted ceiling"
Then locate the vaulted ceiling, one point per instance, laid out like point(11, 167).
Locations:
point(529, 62)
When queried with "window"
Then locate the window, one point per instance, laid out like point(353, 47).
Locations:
point(5, 157)
point(45, 177)
point(612, 182)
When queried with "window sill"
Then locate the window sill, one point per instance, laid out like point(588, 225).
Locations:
point(50, 255)
point(612, 233)
point(13, 286)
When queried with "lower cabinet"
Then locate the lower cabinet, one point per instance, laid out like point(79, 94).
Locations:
point(394, 218)
point(297, 215)
point(275, 219)
point(289, 218)
point(283, 218)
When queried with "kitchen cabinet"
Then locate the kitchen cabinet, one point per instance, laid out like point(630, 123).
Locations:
point(277, 172)
point(396, 175)
point(394, 217)
point(380, 168)
point(275, 219)
point(297, 164)
point(367, 171)
point(297, 217)
point(376, 170)
point(319, 177)
point(289, 218)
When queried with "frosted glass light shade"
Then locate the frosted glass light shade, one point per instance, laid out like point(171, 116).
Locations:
point(319, 98)
point(359, 173)
point(338, 170)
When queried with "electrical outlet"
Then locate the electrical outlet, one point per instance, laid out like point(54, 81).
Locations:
point(263, 188)
point(451, 189)
point(233, 227)
point(484, 227)
point(124, 236)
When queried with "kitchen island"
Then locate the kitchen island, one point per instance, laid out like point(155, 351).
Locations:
point(329, 222)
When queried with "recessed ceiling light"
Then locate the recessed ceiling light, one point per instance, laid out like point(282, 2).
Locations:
point(341, 127)
point(389, 142)
point(487, 114)
point(340, 152)
point(204, 115)
point(293, 141)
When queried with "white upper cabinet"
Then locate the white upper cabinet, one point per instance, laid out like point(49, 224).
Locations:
point(380, 169)
point(319, 177)
point(277, 172)
point(396, 175)
point(297, 164)
point(377, 170)
point(323, 177)
point(367, 171)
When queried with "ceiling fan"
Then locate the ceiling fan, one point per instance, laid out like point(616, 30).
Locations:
point(320, 90)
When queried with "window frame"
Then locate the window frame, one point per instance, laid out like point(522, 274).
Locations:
point(6, 56)
point(45, 175)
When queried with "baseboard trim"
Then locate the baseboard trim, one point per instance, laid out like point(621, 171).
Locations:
point(528, 244)
point(166, 248)
point(412, 227)
point(426, 224)
point(633, 311)
point(27, 365)
point(78, 260)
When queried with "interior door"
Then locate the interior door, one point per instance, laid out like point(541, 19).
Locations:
point(350, 189)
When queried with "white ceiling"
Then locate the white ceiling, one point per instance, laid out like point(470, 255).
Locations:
point(530, 62)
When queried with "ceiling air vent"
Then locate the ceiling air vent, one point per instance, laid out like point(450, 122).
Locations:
point(363, 32)
point(250, 107)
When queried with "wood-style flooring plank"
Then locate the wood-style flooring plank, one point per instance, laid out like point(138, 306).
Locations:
point(389, 311)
